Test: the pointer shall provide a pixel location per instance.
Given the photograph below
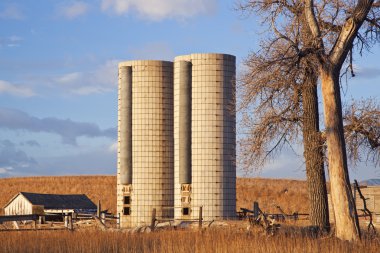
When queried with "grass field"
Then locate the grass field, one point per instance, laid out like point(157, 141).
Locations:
point(268, 192)
point(220, 240)
point(291, 195)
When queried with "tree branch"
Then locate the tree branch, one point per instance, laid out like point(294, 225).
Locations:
point(348, 32)
point(312, 21)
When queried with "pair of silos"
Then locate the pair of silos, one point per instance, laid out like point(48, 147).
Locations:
point(176, 149)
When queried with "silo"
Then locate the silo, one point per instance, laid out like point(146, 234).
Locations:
point(204, 136)
point(145, 141)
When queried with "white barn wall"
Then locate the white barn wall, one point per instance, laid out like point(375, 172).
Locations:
point(19, 206)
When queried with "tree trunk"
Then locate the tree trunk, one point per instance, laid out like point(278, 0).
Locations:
point(346, 220)
point(313, 153)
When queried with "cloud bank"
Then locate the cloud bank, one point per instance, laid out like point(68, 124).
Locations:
point(15, 162)
point(12, 158)
point(68, 130)
point(160, 9)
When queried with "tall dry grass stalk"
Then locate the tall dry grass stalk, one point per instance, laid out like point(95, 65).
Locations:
point(174, 241)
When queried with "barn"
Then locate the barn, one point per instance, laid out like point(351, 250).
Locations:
point(38, 203)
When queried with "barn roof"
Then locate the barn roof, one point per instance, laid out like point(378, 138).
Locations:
point(58, 201)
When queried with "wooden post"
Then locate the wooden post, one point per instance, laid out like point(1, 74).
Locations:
point(118, 220)
point(255, 209)
point(71, 226)
point(200, 217)
point(103, 218)
point(99, 209)
point(15, 224)
point(66, 218)
point(40, 219)
point(153, 222)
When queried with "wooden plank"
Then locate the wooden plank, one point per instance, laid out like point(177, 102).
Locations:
point(153, 221)
point(18, 217)
point(200, 217)
point(31, 229)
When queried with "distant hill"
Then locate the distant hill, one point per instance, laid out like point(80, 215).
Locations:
point(370, 182)
point(290, 195)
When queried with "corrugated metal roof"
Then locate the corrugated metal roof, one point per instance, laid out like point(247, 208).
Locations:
point(57, 201)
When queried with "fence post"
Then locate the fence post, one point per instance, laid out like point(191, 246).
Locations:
point(99, 209)
point(153, 222)
point(41, 219)
point(103, 218)
point(71, 226)
point(200, 217)
point(255, 209)
point(118, 220)
point(66, 215)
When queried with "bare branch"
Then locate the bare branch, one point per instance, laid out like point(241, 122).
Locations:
point(362, 131)
point(312, 21)
point(349, 32)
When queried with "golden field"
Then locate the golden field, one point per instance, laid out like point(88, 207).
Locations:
point(291, 195)
point(178, 241)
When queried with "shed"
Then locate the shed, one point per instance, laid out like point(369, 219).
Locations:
point(372, 195)
point(38, 203)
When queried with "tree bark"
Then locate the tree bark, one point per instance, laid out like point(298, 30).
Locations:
point(346, 220)
point(313, 154)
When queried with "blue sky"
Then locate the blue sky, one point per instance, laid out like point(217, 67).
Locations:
point(58, 75)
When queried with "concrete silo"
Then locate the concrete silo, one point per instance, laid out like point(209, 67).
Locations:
point(145, 141)
point(204, 136)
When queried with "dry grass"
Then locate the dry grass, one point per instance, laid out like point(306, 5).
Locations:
point(291, 195)
point(174, 241)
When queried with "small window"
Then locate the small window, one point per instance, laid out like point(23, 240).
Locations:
point(186, 187)
point(127, 211)
point(186, 211)
point(127, 200)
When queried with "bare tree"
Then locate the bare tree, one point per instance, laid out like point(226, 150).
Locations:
point(330, 60)
point(284, 91)
point(333, 27)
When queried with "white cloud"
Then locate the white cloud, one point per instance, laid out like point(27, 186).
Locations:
point(15, 90)
point(102, 79)
point(12, 12)
point(5, 170)
point(69, 78)
point(160, 9)
point(73, 10)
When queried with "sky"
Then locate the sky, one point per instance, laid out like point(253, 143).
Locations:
point(58, 76)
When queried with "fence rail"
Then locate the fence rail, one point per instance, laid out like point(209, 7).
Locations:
point(26, 217)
